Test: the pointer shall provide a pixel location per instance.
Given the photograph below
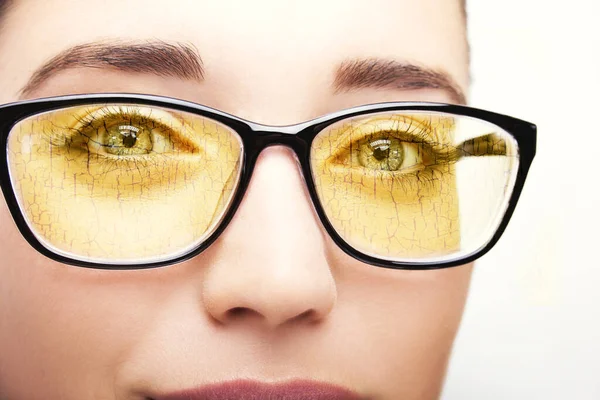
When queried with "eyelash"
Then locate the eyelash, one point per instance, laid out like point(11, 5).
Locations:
point(414, 134)
point(425, 178)
point(115, 112)
point(94, 120)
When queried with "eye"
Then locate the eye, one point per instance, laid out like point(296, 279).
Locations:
point(125, 139)
point(129, 131)
point(386, 152)
point(390, 144)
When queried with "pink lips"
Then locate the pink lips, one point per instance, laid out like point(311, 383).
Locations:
point(254, 390)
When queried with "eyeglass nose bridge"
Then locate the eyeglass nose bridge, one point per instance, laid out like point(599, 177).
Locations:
point(255, 141)
point(258, 140)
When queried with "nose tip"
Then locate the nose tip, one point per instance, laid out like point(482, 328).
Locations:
point(274, 303)
point(270, 263)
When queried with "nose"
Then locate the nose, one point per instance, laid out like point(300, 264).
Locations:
point(269, 264)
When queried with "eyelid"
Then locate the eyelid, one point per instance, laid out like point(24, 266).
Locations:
point(407, 126)
point(176, 125)
point(404, 127)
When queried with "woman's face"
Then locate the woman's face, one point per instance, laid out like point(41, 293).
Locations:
point(273, 299)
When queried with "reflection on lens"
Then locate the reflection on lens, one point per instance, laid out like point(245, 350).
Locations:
point(414, 186)
point(122, 183)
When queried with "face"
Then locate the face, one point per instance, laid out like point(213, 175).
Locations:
point(273, 299)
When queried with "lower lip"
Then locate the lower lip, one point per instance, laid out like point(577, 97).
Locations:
point(253, 390)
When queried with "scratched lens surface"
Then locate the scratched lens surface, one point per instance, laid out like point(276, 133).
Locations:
point(123, 183)
point(414, 186)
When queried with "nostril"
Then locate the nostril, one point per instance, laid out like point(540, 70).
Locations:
point(239, 312)
point(308, 315)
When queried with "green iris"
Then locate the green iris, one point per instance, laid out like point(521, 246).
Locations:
point(385, 153)
point(125, 140)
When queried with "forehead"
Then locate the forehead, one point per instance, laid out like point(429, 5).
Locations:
point(250, 44)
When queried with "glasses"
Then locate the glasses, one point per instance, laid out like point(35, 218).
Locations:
point(120, 181)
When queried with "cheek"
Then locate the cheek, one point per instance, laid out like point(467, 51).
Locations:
point(413, 216)
point(59, 322)
point(400, 325)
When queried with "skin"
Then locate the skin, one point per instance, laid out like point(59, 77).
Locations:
point(273, 298)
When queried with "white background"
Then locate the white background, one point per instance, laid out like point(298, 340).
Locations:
point(531, 329)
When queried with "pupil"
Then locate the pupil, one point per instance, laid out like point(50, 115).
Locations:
point(381, 153)
point(129, 140)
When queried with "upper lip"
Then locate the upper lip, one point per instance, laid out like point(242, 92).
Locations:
point(254, 390)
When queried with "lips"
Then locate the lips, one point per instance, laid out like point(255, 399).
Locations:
point(254, 390)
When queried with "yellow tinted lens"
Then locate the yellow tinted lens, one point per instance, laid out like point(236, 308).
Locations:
point(414, 186)
point(123, 183)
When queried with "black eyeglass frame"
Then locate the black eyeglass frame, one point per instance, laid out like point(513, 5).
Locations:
point(255, 137)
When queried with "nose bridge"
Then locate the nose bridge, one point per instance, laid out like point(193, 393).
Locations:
point(286, 137)
point(272, 259)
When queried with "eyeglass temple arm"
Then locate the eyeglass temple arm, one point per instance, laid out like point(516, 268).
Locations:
point(491, 144)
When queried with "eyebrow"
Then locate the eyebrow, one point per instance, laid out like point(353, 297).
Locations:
point(381, 73)
point(183, 61)
point(179, 60)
